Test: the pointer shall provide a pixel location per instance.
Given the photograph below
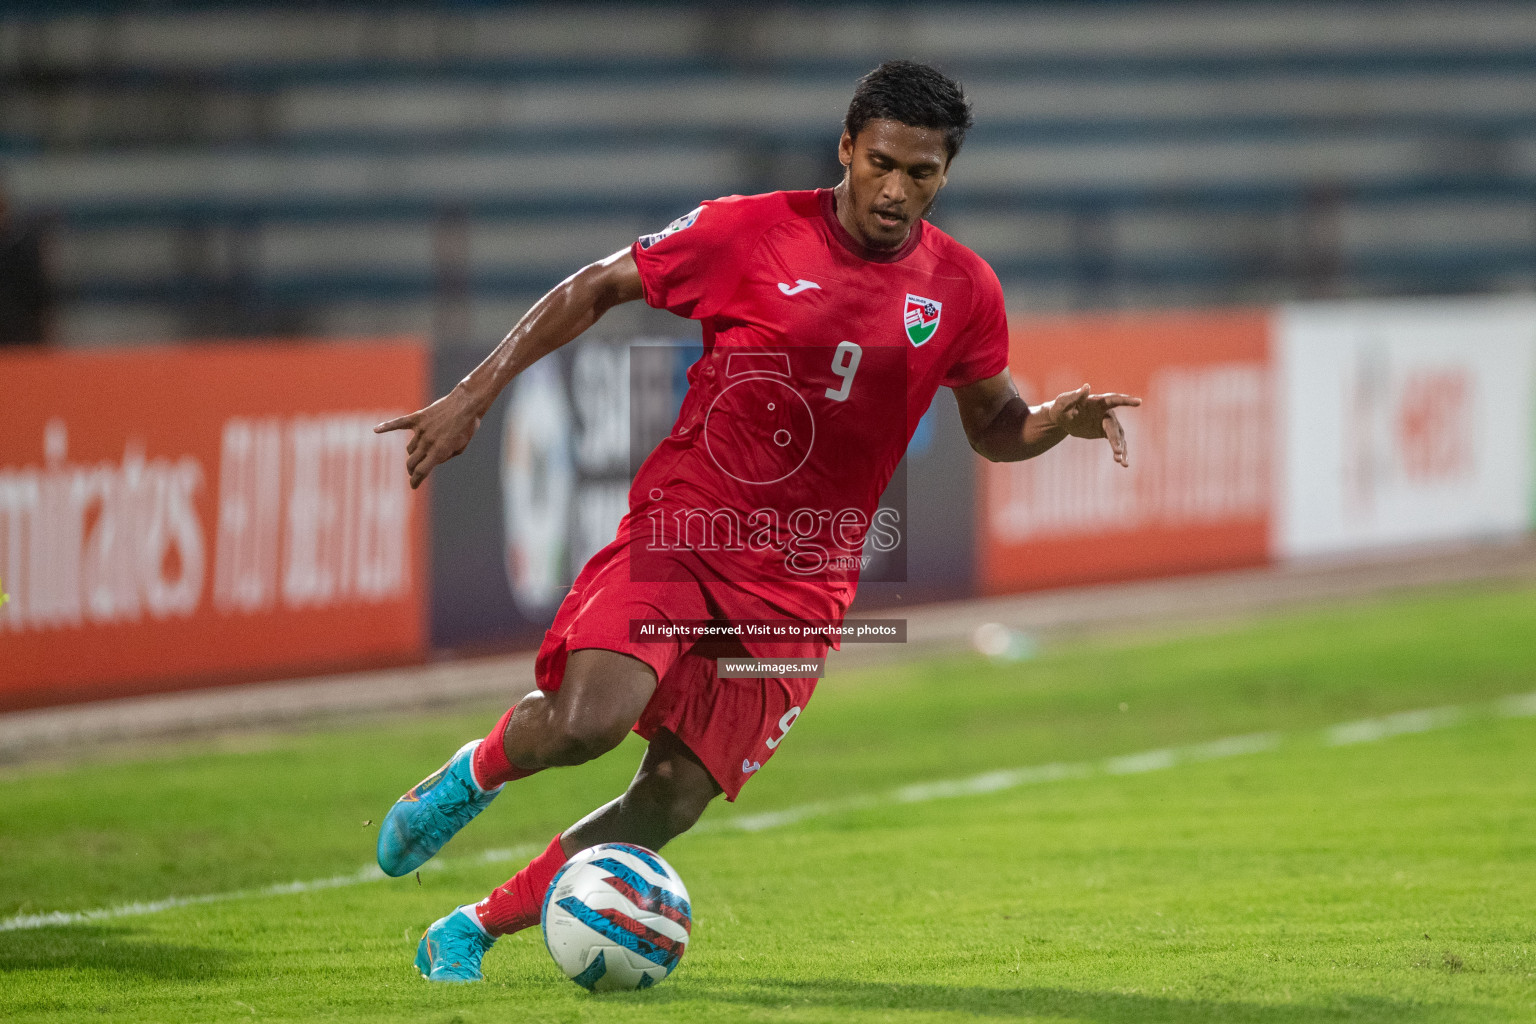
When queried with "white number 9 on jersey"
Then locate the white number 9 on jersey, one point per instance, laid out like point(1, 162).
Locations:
point(845, 363)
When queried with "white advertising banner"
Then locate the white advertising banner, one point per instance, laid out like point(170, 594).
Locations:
point(1403, 421)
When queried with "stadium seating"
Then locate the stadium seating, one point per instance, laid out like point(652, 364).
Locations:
point(232, 170)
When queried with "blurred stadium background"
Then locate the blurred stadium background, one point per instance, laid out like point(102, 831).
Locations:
point(224, 169)
point(1306, 231)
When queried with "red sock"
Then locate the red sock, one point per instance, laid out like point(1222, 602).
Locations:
point(517, 903)
point(490, 764)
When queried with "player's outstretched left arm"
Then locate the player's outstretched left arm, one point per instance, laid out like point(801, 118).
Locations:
point(1002, 427)
point(444, 428)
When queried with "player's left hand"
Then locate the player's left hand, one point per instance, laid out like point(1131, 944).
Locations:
point(1083, 414)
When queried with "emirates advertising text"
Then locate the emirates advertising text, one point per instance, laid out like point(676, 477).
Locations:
point(172, 516)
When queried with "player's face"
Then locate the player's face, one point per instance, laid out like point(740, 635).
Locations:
point(894, 173)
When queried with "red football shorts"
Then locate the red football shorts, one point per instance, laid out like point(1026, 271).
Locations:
point(732, 725)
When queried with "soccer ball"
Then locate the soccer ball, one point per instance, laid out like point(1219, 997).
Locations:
point(616, 917)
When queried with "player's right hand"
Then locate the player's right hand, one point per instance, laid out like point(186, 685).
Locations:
point(438, 432)
point(1083, 414)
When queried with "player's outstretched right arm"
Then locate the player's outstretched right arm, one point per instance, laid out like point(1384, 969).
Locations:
point(1003, 428)
point(443, 429)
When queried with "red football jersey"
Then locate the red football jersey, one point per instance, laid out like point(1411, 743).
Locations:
point(820, 356)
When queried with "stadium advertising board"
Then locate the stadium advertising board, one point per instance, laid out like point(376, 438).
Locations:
point(1405, 422)
point(1197, 494)
point(178, 516)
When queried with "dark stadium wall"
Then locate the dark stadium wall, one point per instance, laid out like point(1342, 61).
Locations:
point(472, 605)
point(938, 507)
point(541, 488)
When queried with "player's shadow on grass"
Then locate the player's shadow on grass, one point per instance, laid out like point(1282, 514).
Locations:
point(109, 949)
point(1048, 1003)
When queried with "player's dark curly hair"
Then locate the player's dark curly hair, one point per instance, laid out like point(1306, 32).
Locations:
point(913, 94)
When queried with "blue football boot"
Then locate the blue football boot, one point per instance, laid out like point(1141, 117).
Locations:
point(431, 813)
point(451, 949)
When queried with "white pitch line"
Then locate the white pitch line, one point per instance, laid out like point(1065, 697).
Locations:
point(1012, 778)
point(1521, 705)
point(370, 873)
point(1369, 730)
point(60, 917)
point(1366, 730)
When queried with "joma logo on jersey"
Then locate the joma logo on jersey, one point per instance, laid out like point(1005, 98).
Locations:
point(921, 318)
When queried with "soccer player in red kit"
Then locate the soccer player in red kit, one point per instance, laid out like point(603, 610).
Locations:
point(830, 319)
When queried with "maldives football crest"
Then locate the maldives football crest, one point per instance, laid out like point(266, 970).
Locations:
point(921, 317)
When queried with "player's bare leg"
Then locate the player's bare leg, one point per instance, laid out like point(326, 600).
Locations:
point(665, 799)
point(602, 695)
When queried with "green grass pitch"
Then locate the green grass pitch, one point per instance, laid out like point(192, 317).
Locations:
point(1301, 881)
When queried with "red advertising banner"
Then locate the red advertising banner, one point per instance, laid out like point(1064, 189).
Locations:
point(180, 516)
point(1197, 494)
